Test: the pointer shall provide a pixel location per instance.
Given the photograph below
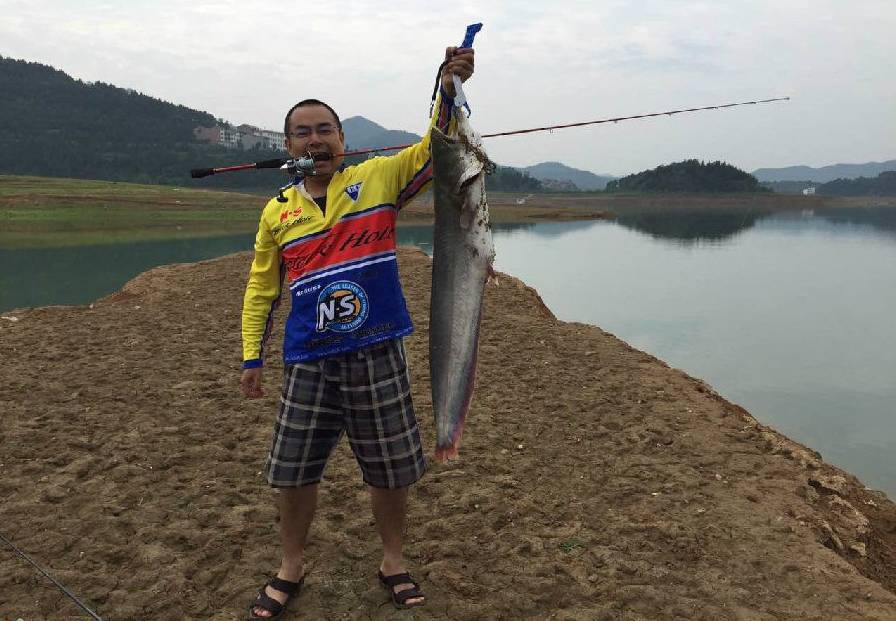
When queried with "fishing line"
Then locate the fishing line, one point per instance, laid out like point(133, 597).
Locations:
point(637, 116)
point(56, 582)
point(582, 123)
point(277, 163)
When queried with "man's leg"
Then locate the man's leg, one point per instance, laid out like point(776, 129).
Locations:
point(382, 431)
point(390, 510)
point(297, 506)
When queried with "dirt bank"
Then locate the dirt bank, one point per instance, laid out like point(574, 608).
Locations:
point(595, 482)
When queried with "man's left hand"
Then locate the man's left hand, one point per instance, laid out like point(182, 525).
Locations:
point(460, 63)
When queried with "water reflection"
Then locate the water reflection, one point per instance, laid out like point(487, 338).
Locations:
point(879, 218)
point(690, 226)
point(420, 235)
point(80, 274)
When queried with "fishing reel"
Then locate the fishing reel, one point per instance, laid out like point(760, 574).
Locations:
point(299, 168)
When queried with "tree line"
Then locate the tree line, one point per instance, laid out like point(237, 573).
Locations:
point(882, 185)
point(688, 176)
point(54, 125)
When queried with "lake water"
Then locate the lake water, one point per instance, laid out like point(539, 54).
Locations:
point(790, 316)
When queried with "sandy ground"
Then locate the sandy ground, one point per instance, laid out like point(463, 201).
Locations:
point(595, 482)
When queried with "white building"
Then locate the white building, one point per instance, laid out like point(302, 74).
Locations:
point(273, 140)
point(247, 136)
point(230, 137)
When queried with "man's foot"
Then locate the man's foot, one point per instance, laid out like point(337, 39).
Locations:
point(404, 591)
point(272, 599)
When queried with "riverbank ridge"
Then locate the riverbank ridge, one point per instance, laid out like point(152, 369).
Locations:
point(594, 482)
point(42, 212)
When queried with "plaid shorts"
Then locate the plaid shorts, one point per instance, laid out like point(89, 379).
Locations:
point(365, 393)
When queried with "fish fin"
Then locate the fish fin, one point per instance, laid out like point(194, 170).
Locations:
point(474, 169)
point(446, 453)
point(450, 450)
point(492, 277)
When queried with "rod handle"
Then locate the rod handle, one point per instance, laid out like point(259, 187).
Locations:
point(199, 173)
point(275, 163)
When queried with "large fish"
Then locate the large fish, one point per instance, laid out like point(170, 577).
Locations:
point(462, 258)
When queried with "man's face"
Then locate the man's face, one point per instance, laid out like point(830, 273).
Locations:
point(314, 129)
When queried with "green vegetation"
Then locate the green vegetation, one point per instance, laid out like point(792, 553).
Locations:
point(688, 176)
point(571, 546)
point(37, 211)
point(506, 179)
point(882, 185)
point(53, 125)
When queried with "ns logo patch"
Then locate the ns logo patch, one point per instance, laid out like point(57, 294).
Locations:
point(342, 306)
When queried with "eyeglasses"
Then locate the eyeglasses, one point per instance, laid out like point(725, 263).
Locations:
point(323, 130)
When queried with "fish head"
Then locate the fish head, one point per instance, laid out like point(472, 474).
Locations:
point(461, 151)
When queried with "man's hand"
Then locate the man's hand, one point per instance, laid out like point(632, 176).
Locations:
point(460, 63)
point(250, 383)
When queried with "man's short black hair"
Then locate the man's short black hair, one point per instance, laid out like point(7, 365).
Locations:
point(310, 102)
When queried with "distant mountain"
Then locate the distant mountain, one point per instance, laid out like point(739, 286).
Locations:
point(362, 133)
point(555, 171)
point(825, 173)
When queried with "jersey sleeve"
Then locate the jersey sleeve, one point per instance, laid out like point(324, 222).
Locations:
point(262, 296)
point(412, 167)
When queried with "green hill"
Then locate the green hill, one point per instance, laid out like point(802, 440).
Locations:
point(688, 176)
point(882, 185)
point(54, 125)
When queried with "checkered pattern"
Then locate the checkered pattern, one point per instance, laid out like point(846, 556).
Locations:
point(365, 394)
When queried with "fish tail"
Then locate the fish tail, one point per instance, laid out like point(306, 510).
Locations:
point(444, 453)
point(450, 450)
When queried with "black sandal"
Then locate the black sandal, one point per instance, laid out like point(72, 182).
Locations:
point(266, 602)
point(400, 599)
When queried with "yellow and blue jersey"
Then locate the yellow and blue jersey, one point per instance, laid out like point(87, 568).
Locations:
point(338, 264)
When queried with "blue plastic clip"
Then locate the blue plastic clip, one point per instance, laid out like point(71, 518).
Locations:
point(472, 29)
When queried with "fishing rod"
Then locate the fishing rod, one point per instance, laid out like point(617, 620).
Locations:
point(52, 579)
point(305, 165)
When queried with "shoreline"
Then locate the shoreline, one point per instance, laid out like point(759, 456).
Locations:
point(50, 211)
point(547, 207)
point(628, 485)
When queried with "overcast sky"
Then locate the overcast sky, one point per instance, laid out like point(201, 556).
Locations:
point(538, 63)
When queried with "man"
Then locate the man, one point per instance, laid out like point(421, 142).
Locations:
point(345, 371)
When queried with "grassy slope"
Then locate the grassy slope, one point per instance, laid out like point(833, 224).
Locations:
point(53, 212)
point(38, 211)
